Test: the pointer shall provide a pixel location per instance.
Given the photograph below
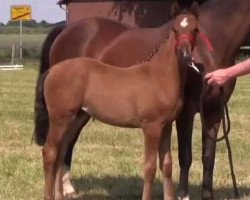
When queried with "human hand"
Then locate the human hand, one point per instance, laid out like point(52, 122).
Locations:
point(217, 77)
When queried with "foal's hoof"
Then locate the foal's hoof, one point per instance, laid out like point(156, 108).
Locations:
point(71, 195)
point(68, 189)
point(69, 192)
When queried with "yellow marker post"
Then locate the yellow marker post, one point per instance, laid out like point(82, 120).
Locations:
point(20, 13)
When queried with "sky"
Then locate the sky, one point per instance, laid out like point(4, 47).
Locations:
point(41, 10)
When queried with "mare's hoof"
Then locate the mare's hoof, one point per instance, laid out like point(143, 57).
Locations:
point(207, 195)
point(183, 198)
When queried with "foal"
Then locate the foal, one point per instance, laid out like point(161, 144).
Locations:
point(147, 96)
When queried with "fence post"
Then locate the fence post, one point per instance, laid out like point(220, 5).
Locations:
point(21, 40)
point(13, 54)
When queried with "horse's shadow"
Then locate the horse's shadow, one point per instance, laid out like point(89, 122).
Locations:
point(129, 188)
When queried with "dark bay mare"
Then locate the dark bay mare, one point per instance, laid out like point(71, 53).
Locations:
point(147, 96)
point(110, 42)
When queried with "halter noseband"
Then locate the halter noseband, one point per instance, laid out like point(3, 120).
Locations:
point(191, 38)
point(185, 36)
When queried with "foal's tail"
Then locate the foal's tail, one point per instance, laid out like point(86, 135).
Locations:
point(40, 110)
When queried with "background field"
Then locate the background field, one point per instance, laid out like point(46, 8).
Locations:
point(107, 161)
point(31, 46)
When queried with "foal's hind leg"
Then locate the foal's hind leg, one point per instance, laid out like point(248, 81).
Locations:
point(68, 138)
point(165, 161)
point(152, 134)
point(81, 120)
point(50, 156)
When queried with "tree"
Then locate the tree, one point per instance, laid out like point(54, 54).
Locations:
point(30, 23)
point(12, 23)
point(43, 23)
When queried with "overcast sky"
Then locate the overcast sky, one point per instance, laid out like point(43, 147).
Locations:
point(41, 10)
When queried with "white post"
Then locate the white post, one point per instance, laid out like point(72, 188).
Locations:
point(13, 54)
point(21, 40)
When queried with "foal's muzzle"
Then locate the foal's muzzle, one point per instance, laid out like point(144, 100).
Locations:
point(184, 47)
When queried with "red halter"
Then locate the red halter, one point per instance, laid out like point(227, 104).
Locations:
point(192, 40)
point(185, 36)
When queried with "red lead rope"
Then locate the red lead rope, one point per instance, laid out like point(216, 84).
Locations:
point(207, 41)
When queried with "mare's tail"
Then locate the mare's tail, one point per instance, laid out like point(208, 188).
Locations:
point(40, 110)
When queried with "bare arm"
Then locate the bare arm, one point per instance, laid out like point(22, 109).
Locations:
point(221, 76)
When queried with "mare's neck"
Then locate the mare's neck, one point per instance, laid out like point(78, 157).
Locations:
point(227, 23)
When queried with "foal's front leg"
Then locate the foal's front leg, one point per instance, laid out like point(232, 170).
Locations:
point(165, 161)
point(152, 134)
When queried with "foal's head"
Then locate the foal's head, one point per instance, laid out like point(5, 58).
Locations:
point(185, 27)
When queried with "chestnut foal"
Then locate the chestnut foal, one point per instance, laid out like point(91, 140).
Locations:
point(147, 96)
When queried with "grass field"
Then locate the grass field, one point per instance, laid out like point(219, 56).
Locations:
point(107, 161)
point(6, 40)
point(31, 45)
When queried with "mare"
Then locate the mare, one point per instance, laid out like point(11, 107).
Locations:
point(86, 85)
point(110, 41)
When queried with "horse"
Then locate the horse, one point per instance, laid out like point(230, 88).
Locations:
point(147, 96)
point(109, 41)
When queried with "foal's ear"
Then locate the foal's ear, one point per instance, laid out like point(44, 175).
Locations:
point(175, 9)
point(194, 8)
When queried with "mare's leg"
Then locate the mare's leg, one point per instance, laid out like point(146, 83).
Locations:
point(81, 120)
point(212, 119)
point(165, 161)
point(152, 134)
point(184, 125)
point(50, 156)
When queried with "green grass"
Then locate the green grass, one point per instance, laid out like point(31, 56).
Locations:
point(107, 160)
point(6, 40)
point(31, 45)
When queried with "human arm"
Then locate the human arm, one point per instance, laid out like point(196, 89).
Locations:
point(221, 76)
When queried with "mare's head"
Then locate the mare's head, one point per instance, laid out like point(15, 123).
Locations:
point(185, 27)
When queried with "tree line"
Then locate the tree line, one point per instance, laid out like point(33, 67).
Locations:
point(30, 23)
